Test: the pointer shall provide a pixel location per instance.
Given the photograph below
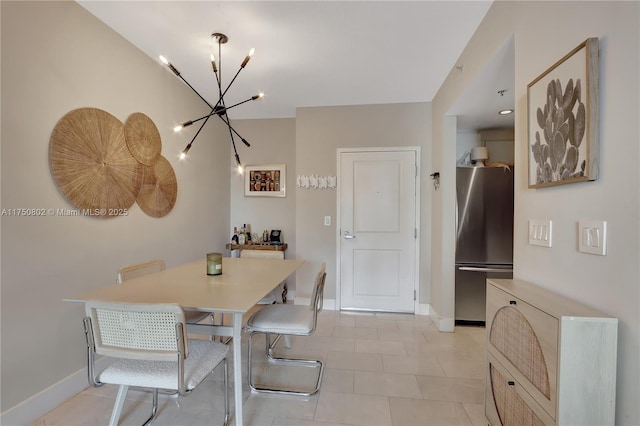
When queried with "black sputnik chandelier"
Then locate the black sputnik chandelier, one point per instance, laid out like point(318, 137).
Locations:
point(219, 109)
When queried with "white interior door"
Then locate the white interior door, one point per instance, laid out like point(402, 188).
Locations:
point(378, 235)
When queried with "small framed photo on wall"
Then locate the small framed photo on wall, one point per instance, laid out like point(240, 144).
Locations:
point(268, 180)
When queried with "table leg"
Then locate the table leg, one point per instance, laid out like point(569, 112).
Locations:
point(237, 365)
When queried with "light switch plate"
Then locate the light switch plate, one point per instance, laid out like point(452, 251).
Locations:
point(540, 233)
point(327, 221)
point(592, 237)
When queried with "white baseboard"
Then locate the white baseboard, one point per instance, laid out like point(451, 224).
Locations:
point(31, 409)
point(327, 304)
point(446, 325)
point(423, 309)
point(330, 305)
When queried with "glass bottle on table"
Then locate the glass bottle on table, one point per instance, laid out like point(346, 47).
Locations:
point(242, 237)
point(247, 229)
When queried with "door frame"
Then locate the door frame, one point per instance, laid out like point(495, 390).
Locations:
point(416, 277)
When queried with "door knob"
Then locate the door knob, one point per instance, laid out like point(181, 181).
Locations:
point(348, 236)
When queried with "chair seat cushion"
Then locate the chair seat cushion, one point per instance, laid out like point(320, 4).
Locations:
point(282, 319)
point(204, 356)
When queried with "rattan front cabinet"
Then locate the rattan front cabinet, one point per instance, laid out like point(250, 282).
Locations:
point(550, 360)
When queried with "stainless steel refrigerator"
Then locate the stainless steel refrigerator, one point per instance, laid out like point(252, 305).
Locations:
point(484, 237)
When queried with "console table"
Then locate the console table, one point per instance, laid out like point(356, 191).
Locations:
point(275, 247)
point(550, 360)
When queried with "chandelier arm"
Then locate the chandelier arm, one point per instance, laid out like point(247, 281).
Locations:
point(231, 129)
point(201, 118)
point(194, 91)
point(179, 75)
point(197, 133)
point(233, 143)
point(219, 89)
point(229, 86)
point(228, 123)
point(253, 98)
point(214, 111)
point(224, 109)
point(218, 76)
point(220, 61)
point(213, 108)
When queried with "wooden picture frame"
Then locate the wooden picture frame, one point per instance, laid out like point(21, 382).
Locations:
point(562, 121)
point(268, 180)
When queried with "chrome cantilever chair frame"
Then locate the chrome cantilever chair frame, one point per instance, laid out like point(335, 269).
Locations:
point(277, 294)
point(264, 322)
point(149, 360)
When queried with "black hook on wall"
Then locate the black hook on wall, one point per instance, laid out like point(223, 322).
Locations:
point(436, 179)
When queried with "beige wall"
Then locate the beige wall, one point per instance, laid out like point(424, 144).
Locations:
point(543, 33)
point(272, 142)
point(57, 57)
point(320, 131)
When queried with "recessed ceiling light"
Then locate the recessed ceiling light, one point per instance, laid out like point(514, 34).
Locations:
point(506, 112)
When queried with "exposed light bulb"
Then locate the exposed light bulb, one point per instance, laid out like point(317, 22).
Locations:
point(171, 67)
point(213, 63)
point(246, 59)
point(182, 126)
point(240, 169)
point(185, 151)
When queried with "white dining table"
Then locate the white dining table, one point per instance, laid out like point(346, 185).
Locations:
point(243, 282)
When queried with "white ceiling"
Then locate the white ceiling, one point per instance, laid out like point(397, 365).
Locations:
point(492, 91)
point(308, 53)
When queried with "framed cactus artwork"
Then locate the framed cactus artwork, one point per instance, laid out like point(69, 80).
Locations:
point(563, 120)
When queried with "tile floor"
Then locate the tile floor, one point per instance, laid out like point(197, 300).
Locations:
point(380, 369)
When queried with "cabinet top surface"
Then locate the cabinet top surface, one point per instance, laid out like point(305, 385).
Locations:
point(276, 247)
point(546, 300)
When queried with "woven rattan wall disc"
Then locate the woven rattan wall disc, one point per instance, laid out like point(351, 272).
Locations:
point(142, 138)
point(159, 189)
point(91, 163)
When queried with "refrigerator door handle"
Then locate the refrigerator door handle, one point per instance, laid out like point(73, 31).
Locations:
point(482, 269)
